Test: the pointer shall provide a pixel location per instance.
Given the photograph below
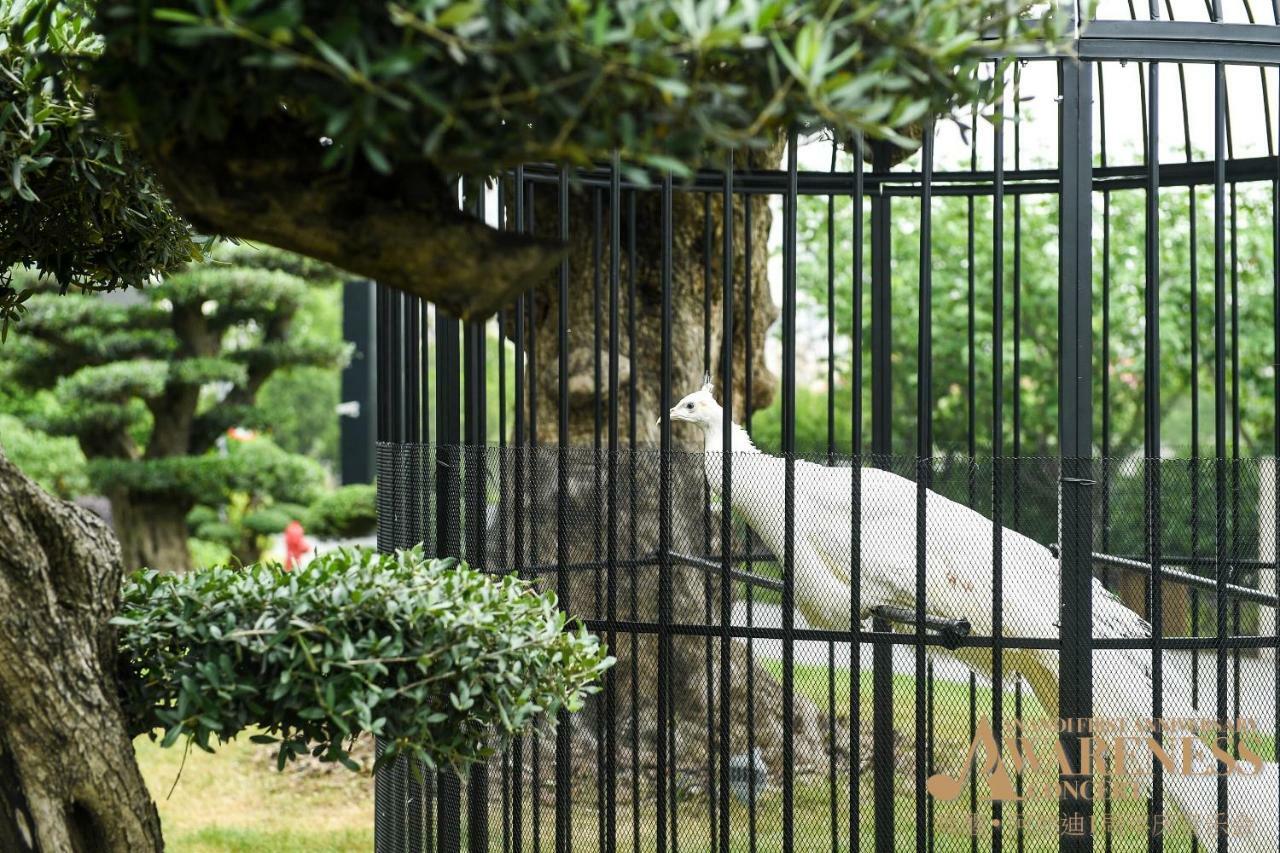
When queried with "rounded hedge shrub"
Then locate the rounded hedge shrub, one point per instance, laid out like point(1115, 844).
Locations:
point(347, 512)
point(434, 657)
point(221, 532)
point(201, 515)
point(268, 520)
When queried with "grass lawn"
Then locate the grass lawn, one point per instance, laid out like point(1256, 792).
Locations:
point(235, 802)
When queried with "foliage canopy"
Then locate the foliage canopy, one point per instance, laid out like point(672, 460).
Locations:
point(302, 124)
point(76, 202)
point(474, 86)
point(429, 654)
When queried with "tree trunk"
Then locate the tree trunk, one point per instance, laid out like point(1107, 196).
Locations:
point(696, 284)
point(68, 777)
point(152, 532)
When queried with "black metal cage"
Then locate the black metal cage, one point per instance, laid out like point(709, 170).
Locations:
point(1041, 353)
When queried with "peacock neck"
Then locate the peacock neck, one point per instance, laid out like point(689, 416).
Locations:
point(713, 439)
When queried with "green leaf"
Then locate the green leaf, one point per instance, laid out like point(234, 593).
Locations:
point(456, 13)
point(175, 16)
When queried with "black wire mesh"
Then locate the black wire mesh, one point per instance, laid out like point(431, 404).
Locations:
point(836, 752)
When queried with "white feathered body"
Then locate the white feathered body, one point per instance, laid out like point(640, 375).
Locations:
point(958, 585)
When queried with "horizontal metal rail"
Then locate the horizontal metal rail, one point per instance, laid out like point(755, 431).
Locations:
point(967, 183)
point(1241, 593)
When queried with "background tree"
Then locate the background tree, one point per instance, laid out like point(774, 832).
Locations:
point(1120, 518)
point(149, 386)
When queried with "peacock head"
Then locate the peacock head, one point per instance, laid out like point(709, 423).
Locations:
point(699, 408)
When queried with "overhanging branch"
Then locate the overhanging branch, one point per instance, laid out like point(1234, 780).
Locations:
point(404, 230)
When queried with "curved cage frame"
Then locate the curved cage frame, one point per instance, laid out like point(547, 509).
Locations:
point(463, 407)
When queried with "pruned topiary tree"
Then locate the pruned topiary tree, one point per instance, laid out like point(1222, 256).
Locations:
point(149, 386)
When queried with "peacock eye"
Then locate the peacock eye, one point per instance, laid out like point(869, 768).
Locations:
point(689, 406)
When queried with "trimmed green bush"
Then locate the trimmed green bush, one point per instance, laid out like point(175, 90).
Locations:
point(221, 532)
point(429, 654)
point(202, 515)
point(349, 511)
point(205, 553)
point(54, 462)
point(268, 520)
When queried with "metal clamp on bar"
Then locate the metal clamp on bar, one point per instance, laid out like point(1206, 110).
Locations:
point(950, 630)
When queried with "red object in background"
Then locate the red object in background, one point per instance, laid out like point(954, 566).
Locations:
point(295, 545)
point(241, 434)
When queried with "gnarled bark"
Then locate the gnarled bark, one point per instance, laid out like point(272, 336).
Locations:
point(68, 777)
point(267, 182)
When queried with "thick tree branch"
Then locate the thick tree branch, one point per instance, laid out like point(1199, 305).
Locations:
point(267, 183)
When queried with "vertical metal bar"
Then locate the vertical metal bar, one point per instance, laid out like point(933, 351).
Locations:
point(426, 316)
point(664, 528)
point(881, 317)
point(357, 439)
point(474, 394)
point(709, 680)
point(1106, 338)
point(611, 593)
point(997, 446)
point(448, 431)
point(726, 489)
point(597, 505)
point(1193, 275)
point(564, 792)
point(1016, 383)
point(882, 759)
point(1235, 451)
point(521, 458)
point(534, 457)
point(1275, 432)
point(1151, 406)
point(402, 485)
point(749, 362)
point(633, 518)
point(1019, 782)
point(833, 805)
point(1220, 421)
point(383, 792)
point(1075, 419)
point(931, 834)
point(415, 522)
point(971, 351)
point(973, 782)
point(881, 448)
point(855, 502)
point(789, 504)
point(924, 452)
point(831, 322)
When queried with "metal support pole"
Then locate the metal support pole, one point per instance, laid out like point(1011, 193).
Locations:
point(1075, 432)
